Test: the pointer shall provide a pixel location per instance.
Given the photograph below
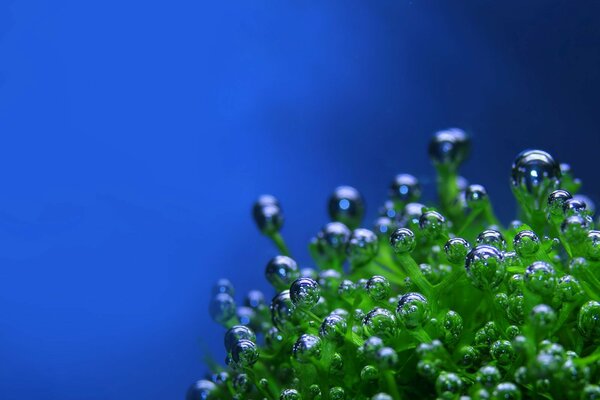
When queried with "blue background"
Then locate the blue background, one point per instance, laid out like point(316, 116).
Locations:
point(134, 137)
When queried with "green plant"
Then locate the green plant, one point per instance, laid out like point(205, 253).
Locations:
point(434, 302)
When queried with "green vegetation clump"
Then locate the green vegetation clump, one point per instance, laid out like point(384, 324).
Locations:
point(433, 302)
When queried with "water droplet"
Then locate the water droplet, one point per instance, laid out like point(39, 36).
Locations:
point(526, 243)
point(492, 238)
point(282, 310)
point(453, 327)
point(331, 242)
point(433, 224)
point(346, 205)
point(534, 175)
point(592, 245)
point(268, 214)
point(588, 320)
point(305, 293)
point(485, 267)
point(386, 358)
point(506, 391)
point(448, 385)
point(476, 196)
point(281, 271)
point(380, 322)
point(378, 288)
point(405, 188)
point(502, 352)
point(334, 328)
point(307, 348)
point(449, 147)
point(556, 202)
point(337, 393)
point(403, 241)
point(413, 310)
point(362, 247)
point(201, 390)
point(222, 308)
point(255, 299)
point(383, 226)
point(488, 375)
point(568, 289)
point(290, 394)
point(237, 333)
point(369, 374)
point(223, 286)
point(589, 203)
point(245, 353)
point(542, 317)
point(456, 250)
point(540, 278)
point(574, 207)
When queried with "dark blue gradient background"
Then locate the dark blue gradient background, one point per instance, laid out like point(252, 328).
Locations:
point(134, 136)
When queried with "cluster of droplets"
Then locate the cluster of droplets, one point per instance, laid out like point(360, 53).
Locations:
point(431, 302)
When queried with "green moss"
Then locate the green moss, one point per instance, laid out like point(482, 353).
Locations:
point(435, 302)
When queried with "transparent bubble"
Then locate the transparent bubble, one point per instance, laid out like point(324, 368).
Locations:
point(540, 278)
point(588, 320)
point(387, 358)
point(222, 308)
point(223, 286)
point(362, 247)
point(382, 396)
point(592, 245)
point(384, 226)
point(369, 373)
point(476, 196)
point(388, 210)
point(456, 250)
point(337, 393)
point(568, 289)
point(502, 352)
point(237, 333)
point(282, 310)
point(449, 147)
point(515, 308)
point(575, 228)
point(347, 289)
point(542, 317)
point(574, 206)
point(334, 328)
point(268, 215)
point(453, 326)
point(413, 310)
point(220, 377)
point(492, 238)
point(433, 224)
point(403, 240)
point(411, 214)
point(347, 206)
point(512, 331)
point(405, 188)
point(378, 288)
point(201, 390)
point(290, 394)
point(255, 299)
point(329, 280)
point(242, 384)
point(307, 348)
point(305, 293)
point(589, 203)
point(281, 271)
point(245, 353)
point(488, 376)
point(331, 241)
point(556, 202)
point(526, 243)
point(485, 267)
point(448, 385)
point(380, 322)
point(534, 175)
point(274, 338)
point(468, 357)
point(590, 392)
point(506, 391)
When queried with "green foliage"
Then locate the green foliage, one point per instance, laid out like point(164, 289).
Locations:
point(433, 303)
